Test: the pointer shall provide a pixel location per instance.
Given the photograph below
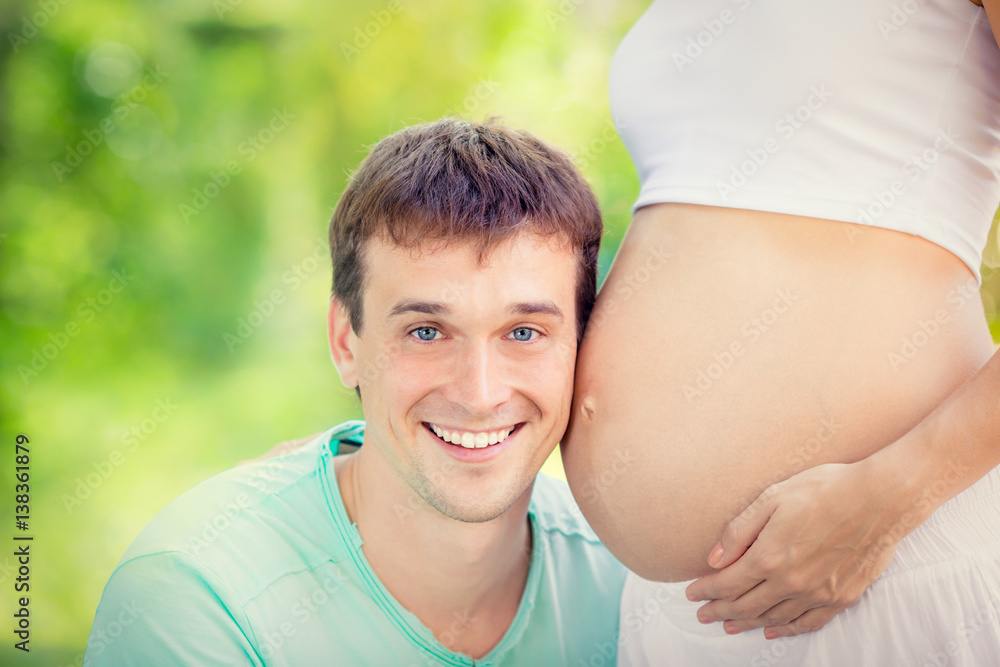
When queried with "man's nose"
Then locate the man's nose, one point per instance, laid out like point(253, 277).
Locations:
point(479, 383)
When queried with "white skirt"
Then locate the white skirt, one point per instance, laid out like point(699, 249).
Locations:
point(936, 605)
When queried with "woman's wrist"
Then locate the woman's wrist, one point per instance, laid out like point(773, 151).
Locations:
point(914, 478)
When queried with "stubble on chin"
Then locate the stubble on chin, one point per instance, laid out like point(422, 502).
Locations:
point(474, 509)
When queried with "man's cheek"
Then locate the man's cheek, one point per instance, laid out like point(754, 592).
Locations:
point(552, 380)
point(566, 353)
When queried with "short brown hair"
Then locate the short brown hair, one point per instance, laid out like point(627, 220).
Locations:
point(462, 180)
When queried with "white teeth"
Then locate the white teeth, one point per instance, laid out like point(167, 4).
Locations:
point(471, 440)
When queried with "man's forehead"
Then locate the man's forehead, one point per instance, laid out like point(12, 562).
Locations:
point(510, 248)
point(531, 275)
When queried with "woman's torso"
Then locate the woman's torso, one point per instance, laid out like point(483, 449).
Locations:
point(732, 348)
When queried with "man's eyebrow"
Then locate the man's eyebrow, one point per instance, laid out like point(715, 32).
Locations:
point(438, 308)
point(417, 306)
point(536, 307)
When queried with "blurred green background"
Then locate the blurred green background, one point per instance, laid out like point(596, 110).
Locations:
point(250, 114)
point(167, 171)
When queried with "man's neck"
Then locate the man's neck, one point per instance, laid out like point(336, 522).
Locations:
point(464, 581)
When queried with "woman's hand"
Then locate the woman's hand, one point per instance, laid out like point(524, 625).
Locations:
point(809, 546)
point(807, 549)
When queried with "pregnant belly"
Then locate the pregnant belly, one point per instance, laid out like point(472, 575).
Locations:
point(731, 349)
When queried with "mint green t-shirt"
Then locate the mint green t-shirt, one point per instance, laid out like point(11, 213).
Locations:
point(260, 565)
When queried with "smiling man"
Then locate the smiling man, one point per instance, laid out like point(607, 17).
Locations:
point(464, 269)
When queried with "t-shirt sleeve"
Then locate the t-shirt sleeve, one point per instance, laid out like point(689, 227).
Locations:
point(166, 609)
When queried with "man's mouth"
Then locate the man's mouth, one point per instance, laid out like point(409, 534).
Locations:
point(471, 439)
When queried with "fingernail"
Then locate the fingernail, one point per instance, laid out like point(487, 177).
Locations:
point(692, 597)
point(733, 631)
point(770, 634)
point(715, 557)
point(703, 619)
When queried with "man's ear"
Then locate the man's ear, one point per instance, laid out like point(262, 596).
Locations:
point(343, 343)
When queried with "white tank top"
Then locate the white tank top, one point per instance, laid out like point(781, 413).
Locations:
point(879, 112)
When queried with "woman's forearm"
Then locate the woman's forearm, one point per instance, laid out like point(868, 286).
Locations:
point(993, 14)
point(949, 450)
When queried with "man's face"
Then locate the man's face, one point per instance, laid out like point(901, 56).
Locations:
point(465, 369)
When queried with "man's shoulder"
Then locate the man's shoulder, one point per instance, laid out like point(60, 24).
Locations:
point(583, 580)
point(555, 510)
point(273, 508)
point(570, 541)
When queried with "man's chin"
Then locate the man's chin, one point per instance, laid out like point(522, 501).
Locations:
point(483, 507)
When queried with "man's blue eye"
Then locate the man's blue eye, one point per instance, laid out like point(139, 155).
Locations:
point(426, 333)
point(523, 333)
